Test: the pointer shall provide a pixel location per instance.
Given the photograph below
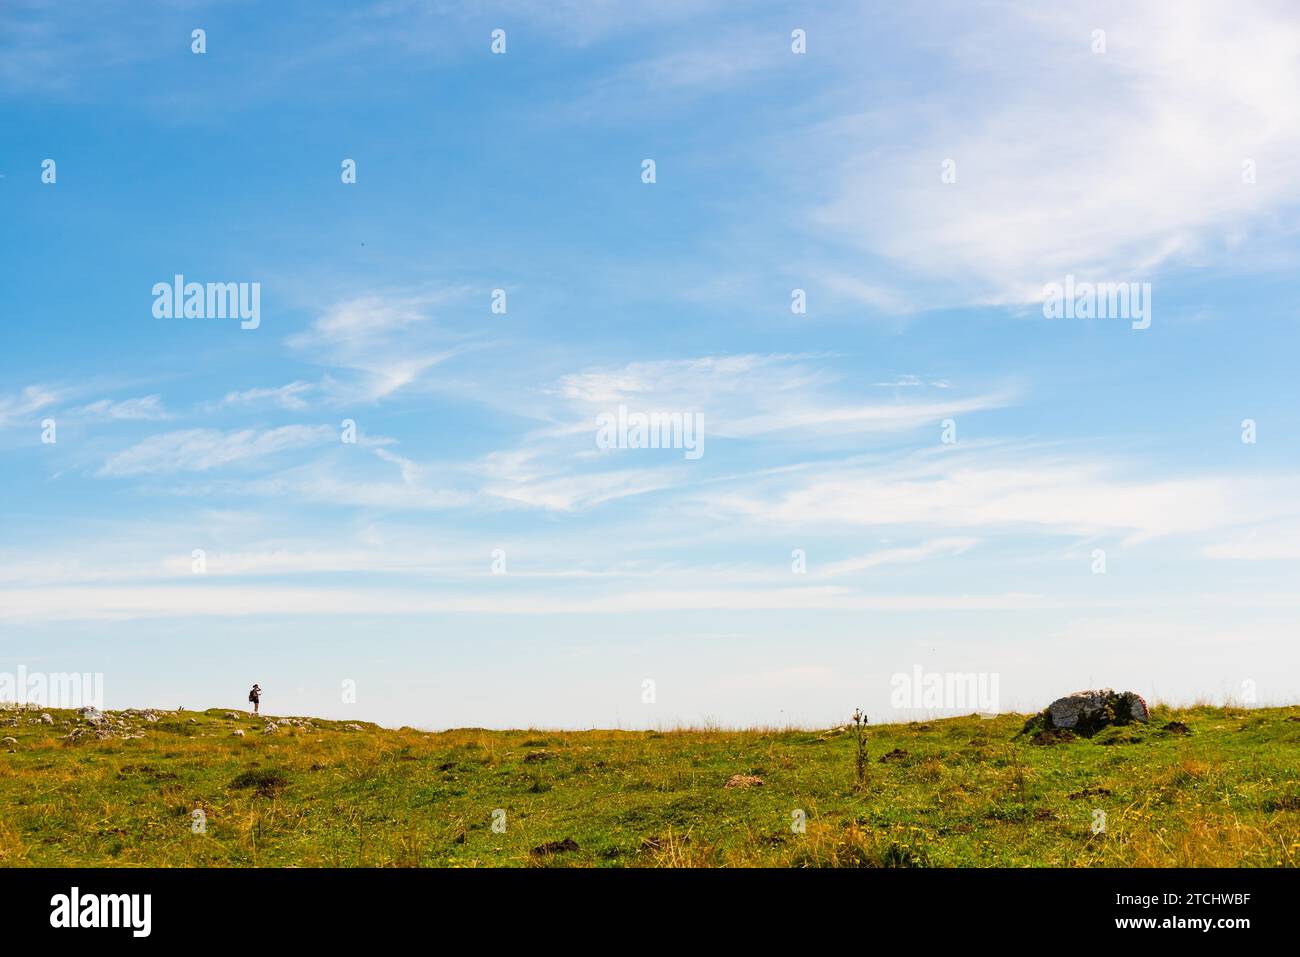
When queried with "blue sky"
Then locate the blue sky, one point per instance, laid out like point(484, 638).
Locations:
point(372, 561)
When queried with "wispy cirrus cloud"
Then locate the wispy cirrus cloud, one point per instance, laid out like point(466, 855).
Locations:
point(199, 450)
point(1274, 541)
point(120, 603)
point(144, 408)
point(382, 344)
point(749, 395)
point(1042, 132)
point(1012, 489)
point(902, 555)
point(289, 396)
point(31, 400)
point(568, 492)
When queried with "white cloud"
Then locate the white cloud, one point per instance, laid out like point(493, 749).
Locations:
point(568, 492)
point(384, 343)
point(411, 472)
point(314, 484)
point(33, 399)
point(148, 408)
point(196, 450)
point(1108, 166)
point(288, 396)
point(1010, 490)
point(939, 548)
point(694, 381)
point(751, 395)
point(875, 417)
point(1273, 542)
point(735, 57)
point(232, 601)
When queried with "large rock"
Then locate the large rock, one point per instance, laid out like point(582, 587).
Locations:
point(1087, 712)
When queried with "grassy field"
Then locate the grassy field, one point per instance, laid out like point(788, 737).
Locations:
point(955, 792)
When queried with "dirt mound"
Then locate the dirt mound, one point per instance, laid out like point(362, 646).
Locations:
point(554, 847)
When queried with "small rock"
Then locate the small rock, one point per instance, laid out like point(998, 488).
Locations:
point(897, 754)
point(239, 732)
point(232, 716)
point(744, 781)
point(1176, 727)
point(194, 720)
point(9, 743)
point(47, 719)
point(271, 728)
point(151, 717)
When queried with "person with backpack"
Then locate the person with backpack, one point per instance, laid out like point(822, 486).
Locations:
point(255, 696)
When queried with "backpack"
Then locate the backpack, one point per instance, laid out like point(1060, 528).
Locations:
point(252, 696)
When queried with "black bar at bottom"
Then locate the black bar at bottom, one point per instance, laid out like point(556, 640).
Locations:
point(233, 906)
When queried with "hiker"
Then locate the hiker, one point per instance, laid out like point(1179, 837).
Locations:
point(255, 696)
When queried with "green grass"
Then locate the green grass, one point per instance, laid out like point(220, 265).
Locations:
point(967, 792)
